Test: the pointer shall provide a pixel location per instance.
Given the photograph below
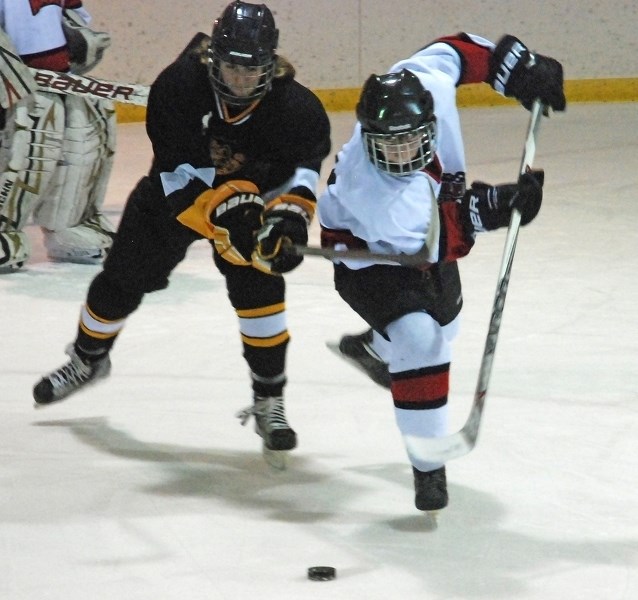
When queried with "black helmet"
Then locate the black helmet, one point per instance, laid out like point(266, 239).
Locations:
point(245, 35)
point(398, 124)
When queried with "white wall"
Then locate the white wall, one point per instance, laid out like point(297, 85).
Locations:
point(338, 43)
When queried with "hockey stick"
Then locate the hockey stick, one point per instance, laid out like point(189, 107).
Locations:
point(460, 443)
point(420, 259)
point(90, 87)
point(17, 81)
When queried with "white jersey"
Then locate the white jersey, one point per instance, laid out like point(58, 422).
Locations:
point(35, 26)
point(399, 214)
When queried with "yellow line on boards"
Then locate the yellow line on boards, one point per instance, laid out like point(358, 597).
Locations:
point(469, 96)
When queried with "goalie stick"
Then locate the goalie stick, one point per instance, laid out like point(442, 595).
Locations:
point(460, 443)
point(90, 87)
point(18, 81)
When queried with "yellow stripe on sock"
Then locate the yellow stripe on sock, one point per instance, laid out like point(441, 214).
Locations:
point(269, 342)
point(262, 311)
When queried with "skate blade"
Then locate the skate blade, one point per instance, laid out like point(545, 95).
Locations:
point(334, 347)
point(277, 459)
point(432, 516)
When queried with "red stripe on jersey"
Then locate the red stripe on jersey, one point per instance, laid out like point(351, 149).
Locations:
point(455, 242)
point(425, 386)
point(331, 237)
point(57, 59)
point(434, 169)
point(38, 5)
point(72, 3)
point(475, 58)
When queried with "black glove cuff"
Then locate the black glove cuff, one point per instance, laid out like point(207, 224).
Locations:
point(289, 224)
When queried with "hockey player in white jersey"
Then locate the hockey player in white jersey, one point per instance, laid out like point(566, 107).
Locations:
point(398, 186)
point(56, 151)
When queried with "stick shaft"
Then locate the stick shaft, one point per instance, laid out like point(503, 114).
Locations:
point(409, 260)
point(455, 445)
point(472, 426)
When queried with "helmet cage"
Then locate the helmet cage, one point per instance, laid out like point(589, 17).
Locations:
point(402, 153)
point(244, 36)
point(257, 79)
point(398, 125)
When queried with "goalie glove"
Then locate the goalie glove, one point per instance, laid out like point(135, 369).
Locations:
point(86, 47)
point(228, 215)
point(285, 223)
point(516, 72)
point(486, 207)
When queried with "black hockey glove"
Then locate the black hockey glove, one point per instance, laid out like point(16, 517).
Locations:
point(281, 228)
point(517, 72)
point(486, 207)
point(228, 215)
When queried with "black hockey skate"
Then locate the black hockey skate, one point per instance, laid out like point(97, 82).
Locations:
point(271, 425)
point(430, 490)
point(357, 350)
point(70, 377)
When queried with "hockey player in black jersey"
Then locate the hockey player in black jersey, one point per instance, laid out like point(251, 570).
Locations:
point(238, 145)
point(398, 187)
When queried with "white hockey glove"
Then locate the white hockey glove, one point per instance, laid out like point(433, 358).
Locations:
point(85, 45)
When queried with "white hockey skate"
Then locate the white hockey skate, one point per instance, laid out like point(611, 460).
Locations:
point(271, 425)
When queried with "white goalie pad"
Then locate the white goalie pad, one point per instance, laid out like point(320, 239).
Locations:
point(30, 150)
point(88, 242)
point(86, 46)
point(16, 80)
point(77, 190)
point(14, 251)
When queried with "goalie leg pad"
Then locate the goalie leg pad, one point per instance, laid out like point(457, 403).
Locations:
point(31, 148)
point(14, 251)
point(16, 81)
point(84, 243)
point(79, 185)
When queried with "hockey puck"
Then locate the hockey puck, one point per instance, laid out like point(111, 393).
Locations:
point(322, 573)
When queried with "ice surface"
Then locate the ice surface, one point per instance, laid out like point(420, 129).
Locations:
point(146, 486)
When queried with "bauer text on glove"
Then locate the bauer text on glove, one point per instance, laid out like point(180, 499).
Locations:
point(488, 207)
point(517, 72)
point(229, 215)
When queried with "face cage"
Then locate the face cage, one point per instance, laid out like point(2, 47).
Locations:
point(259, 91)
point(386, 151)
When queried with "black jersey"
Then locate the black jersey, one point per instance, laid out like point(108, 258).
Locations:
point(287, 131)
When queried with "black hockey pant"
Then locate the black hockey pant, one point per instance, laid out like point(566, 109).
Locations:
point(149, 244)
point(381, 294)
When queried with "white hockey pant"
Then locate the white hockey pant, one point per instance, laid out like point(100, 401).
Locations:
point(418, 341)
